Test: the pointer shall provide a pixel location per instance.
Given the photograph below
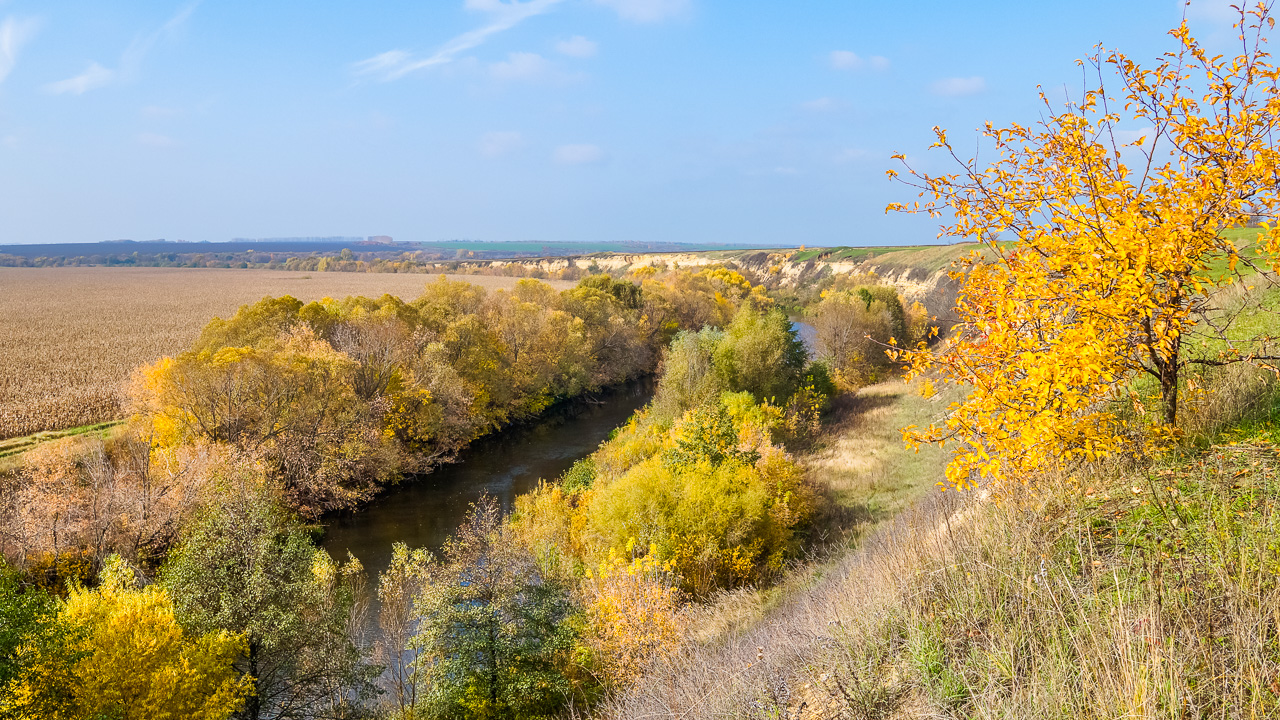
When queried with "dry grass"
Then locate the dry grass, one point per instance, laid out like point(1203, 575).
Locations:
point(1149, 591)
point(869, 477)
point(862, 460)
point(70, 337)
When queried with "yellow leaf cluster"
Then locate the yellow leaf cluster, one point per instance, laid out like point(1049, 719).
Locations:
point(1101, 257)
point(633, 608)
point(134, 661)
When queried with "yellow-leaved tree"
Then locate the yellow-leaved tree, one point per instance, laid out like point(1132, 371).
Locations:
point(1105, 255)
point(131, 659)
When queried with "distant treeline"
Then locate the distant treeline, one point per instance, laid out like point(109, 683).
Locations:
point(344, 260)
point(350, 255)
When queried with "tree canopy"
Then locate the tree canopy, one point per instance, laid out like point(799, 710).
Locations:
point(1105, 255)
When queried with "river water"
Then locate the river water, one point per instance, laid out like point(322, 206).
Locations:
point(423, 511)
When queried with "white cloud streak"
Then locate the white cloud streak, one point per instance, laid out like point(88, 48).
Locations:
point(576, 46)
point(578, 154)
point(96, 76)
point(395, 64)
point(959, 86)
point(14, 33)
point(647, 11)
point(847, 60)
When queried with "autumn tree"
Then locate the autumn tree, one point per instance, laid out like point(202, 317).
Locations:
point(75, 501)
point(856, 326)
point(762, 354)
point(380, 346)
point(492, 627)
point(132, 660)
point(32, 640)
point(245, 566)
point(634, 611)
point(290, 402)
point(399, 586)
point(712, 494)
point(1105, 260)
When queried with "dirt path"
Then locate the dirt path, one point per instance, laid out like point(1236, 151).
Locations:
point(862, 458)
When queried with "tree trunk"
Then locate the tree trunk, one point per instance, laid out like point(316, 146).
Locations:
point(493, 661)
point(1169, 383)
point(253, 706)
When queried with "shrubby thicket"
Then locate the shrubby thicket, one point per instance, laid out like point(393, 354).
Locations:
point(196, 517)
point(337, 398)
point(856, 320)
point(332, 400)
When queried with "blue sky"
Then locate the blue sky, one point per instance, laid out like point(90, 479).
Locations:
point(737, 121)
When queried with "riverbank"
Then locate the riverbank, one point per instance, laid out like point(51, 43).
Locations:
point(423, 510)
point(1137, 590)
point(870, 479)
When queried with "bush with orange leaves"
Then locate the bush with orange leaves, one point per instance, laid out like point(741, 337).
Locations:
point(77, 500)
point(634, 613)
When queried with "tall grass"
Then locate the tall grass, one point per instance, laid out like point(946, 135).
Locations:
point(1147, 590)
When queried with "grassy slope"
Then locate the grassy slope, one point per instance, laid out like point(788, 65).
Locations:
point(13, 446)
point(1143, 590)
point(872, 478)
point(862, 458)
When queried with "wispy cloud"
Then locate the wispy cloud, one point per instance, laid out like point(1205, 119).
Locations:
point(848, 60)
point(521, 66)
point(501, 143)
point(96, 76)
point(578, 154)
point(646, 11)
point(395, 64)
point(131, 59)
point(387, 61)
point(14, 33)
point(959, 86)
point(576, 46)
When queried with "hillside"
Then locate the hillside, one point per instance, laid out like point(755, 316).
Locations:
point(1146, 588)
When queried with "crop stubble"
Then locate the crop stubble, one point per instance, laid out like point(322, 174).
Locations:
point(71, 337)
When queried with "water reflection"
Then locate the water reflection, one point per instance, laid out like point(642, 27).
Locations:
point(424, 511)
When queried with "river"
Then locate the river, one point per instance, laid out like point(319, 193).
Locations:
point(424, 510)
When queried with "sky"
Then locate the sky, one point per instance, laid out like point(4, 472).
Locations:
point(751, 122)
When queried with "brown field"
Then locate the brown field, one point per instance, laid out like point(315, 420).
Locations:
point(70, 337)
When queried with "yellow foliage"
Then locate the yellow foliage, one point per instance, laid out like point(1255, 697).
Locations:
point(634, 614)
point(543, 522)
point(136, 662)
point(1102, 259)
point(720, 525)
